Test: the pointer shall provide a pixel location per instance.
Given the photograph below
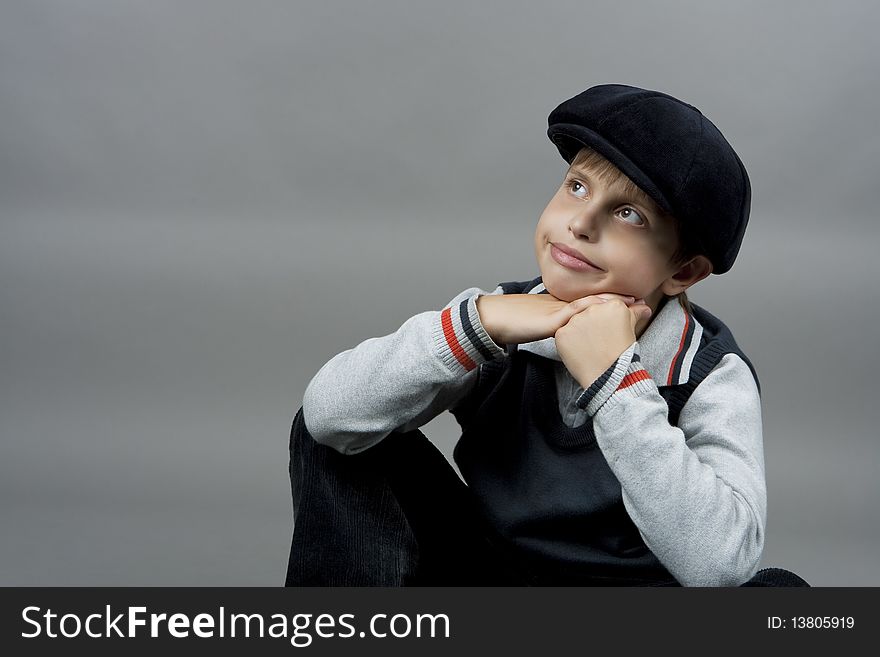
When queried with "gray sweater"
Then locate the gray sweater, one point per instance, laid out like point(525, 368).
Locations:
point(696, 491)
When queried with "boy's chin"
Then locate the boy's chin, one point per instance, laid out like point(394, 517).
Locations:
point(567, 293)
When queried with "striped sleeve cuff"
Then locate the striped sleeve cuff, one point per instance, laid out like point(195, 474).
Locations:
point(625, 376)
point(462, 341)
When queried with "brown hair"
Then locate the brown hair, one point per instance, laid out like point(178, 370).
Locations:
point(610, 175)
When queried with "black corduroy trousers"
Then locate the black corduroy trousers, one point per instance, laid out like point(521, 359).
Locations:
point(397, 514)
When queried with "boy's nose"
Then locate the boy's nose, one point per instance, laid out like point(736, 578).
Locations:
point(585, 223)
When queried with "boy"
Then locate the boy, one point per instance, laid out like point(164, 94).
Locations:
point(611, 430)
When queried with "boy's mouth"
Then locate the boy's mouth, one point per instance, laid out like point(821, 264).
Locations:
point(571, 258)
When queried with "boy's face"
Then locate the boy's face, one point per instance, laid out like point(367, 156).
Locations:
point(625, 236)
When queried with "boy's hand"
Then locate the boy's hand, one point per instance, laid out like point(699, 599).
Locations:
point(593, 339)
point(520, 318)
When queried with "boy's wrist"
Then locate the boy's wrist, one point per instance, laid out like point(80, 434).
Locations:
point(588, 372)
point(603, 387)
point(484, 318)
point(462, 339)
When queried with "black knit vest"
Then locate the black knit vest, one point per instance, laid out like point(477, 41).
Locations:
point(548, 497)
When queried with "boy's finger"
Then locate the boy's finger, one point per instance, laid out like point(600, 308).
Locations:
point(608, 296)
point(583, 302)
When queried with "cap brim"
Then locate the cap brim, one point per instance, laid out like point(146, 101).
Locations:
point(570, 137)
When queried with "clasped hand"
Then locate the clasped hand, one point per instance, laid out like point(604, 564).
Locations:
point(590, 332)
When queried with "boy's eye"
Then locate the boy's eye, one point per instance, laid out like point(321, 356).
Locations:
point(628, 214)
point(574, 183)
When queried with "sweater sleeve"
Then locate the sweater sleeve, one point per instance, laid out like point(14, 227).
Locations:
point(400, 381)
point(696, 491)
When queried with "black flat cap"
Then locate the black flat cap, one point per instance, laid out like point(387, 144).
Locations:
point(671, 151)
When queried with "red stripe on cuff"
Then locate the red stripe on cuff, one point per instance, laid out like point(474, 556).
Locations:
point(633, 377)
point(452, 340)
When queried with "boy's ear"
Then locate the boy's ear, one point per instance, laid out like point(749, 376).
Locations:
point(695, 269)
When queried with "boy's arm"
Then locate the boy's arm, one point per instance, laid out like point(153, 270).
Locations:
point(400, 381)
point(696, 492)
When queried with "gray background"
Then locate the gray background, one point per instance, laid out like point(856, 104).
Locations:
point(203, 202)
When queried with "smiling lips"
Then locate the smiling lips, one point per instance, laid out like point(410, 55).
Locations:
point(569, 257)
